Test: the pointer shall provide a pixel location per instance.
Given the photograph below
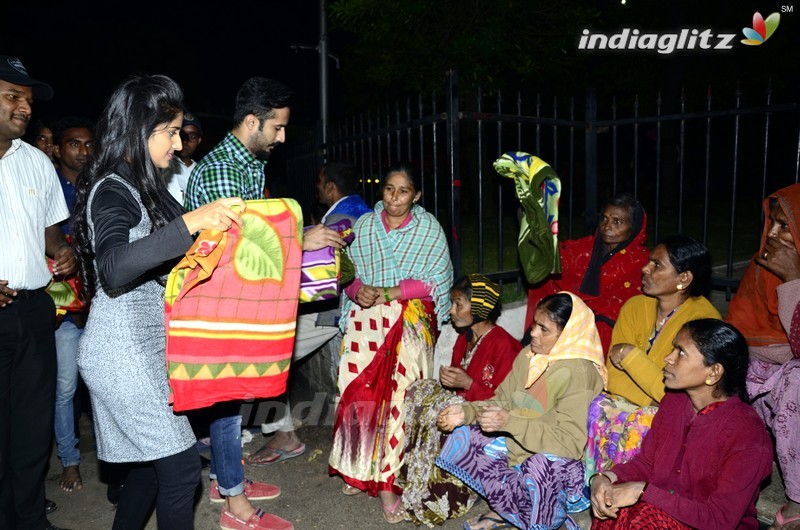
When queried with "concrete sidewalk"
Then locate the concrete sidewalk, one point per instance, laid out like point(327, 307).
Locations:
point(310, 498)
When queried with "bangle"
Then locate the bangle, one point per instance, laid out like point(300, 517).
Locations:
point(601, 474)
point(641, 493)
point(386, 294)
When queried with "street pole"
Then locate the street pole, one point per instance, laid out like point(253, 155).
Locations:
point(323, 75)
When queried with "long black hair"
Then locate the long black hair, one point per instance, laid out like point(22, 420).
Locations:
point(135, 109)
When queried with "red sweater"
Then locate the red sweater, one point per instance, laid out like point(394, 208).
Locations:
point(490, 364)
point(709, 466)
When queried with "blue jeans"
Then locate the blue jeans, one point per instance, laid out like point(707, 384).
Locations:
point(226, 450)
point(67, 337)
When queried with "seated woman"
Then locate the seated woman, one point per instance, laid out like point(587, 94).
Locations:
point(762, 310)
point(704, 428)
point(523, 455)
point(673, 282)
point(482, 357)
point(604, 269)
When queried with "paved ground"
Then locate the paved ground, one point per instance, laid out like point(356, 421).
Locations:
point(310, 498)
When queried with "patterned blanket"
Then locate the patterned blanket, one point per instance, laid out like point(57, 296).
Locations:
point(231, 307)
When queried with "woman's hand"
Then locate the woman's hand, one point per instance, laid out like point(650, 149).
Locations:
point(780, 258)
point(367, 296)
point(602, 497)
point(492, 419)
point(628, 493)
point(217, 215)
point(618, 352)
point(454, 377)
point(450, 418)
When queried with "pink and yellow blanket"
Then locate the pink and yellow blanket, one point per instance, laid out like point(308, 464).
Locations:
point(231, 308)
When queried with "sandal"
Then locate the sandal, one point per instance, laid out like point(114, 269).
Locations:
point(280, 455)
point(347, 489)
point(394, 514)
point(783, 521)
point(486, 522)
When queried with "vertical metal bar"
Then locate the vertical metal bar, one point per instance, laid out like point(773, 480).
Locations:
point(435, 158)
point(614, 146)
point(453, 151)
point(519, 125)
point(766, 140)
point(591, 163)
point(500, 195)
point(409, 155)
point(797, 157)
point(732, 233)
point(398, 137)
point(554, 161)
point(658, 166)
point(681, 158)
point(389, 159)
point(707, 191)
point(420, 109)
point(571, 148)
point(538, 125)
point(480, 179)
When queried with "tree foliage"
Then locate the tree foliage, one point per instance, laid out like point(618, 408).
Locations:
point(408, 45)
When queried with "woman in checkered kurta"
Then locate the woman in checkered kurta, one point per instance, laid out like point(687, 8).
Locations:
point(390, 318)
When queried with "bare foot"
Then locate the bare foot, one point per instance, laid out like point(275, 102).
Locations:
point(283, 445)
point(70, 479)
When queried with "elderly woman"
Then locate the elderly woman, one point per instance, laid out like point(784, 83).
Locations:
point(482, 357)
point(604, 269)
point(532, 476)
point(673, 282)
point(390, 319)
point(762, 309)
point(708, 451)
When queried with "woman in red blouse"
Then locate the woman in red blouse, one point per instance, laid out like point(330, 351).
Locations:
point(604, 269)
point(482, 357)
point(708, 451)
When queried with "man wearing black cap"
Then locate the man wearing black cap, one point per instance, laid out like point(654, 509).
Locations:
point(32, 208)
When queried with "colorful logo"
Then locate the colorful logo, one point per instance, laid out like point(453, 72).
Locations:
point(761, 30)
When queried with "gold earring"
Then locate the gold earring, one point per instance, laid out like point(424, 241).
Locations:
point(680, 287)
point(708, 382)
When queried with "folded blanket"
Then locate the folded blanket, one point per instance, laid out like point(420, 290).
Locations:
point(231, 307)
point(320, 275)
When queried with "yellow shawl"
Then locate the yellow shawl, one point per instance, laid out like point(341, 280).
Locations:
point(578, 340)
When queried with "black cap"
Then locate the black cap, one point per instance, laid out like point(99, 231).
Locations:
point(13, 71)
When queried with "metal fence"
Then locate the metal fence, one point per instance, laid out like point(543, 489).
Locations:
point(700, 164)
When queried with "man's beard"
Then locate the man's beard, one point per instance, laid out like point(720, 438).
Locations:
point(263, 155)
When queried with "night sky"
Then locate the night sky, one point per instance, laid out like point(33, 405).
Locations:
point(84, 50)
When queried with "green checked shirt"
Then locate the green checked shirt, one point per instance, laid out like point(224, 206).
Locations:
point(228, 170)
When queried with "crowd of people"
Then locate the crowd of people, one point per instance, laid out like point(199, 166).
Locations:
point(629, 395)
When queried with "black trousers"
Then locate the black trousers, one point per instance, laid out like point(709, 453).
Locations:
point(171, 481)
point(27, 403)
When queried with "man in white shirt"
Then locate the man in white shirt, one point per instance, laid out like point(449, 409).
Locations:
point(176, 176)
point(32, 207)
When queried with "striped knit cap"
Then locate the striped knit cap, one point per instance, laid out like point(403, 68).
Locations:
point(485, 295)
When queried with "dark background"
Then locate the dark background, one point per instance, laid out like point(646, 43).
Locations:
point(84, 49)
